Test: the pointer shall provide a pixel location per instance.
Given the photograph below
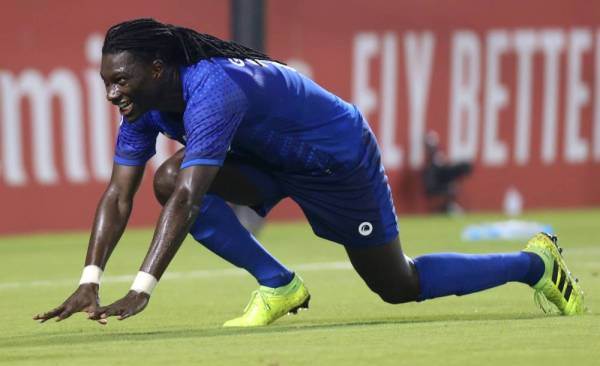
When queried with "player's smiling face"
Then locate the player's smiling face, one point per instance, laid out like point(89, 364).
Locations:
point(131, 83)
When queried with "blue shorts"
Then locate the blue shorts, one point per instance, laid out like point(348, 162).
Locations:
point(350, 205)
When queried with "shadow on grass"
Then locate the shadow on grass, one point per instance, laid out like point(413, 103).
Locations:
point(81, 337)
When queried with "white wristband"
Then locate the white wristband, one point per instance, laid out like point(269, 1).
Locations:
point(144, 282)
point(91, 274)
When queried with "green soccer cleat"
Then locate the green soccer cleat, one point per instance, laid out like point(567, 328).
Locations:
point(269, 304)
point(557, 286)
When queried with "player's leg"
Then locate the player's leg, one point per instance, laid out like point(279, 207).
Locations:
point(386, 271)
point(369, 220)
point(397, 279)
point(230, 183)
point(217, 227)
point(377, 256)
point(359, 214)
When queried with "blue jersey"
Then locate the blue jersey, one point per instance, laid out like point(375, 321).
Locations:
point(263, 110)
point(294, 139)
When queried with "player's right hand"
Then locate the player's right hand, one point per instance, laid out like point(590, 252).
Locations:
point(85, 299)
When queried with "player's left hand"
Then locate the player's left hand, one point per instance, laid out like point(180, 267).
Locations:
point(131, 304)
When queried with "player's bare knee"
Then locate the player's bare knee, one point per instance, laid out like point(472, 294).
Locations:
point(399, 291)
point(396, 296)
point(164, 182)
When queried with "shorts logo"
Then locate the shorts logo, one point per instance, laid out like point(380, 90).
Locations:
point(365, 229)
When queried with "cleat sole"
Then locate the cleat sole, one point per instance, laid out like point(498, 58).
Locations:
point(304, 305)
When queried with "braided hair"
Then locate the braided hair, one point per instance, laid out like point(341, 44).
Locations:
point(149, 39)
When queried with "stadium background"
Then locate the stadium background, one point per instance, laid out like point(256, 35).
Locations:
point(515, 91)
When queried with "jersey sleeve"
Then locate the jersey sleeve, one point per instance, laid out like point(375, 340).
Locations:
point(214, 110)
point(136, 142)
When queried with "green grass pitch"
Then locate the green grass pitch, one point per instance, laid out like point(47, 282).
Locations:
point(345, 325)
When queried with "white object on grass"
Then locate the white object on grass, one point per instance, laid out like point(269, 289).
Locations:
point(505, 230)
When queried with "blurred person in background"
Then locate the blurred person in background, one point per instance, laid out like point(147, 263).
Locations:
point(441, 177)
point(256, 131)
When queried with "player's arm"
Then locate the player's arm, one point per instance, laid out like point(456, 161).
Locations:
point(176, 218)
point(213, 112)
point(110, 221)
point(113, 213)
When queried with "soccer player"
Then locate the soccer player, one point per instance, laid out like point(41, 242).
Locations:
point(256, 131)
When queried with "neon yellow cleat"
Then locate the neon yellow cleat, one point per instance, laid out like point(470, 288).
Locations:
point(269, 304)
point(557, 286)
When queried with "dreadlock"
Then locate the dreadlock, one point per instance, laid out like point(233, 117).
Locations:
point(148, 39)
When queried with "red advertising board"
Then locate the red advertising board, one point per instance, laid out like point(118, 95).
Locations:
point(56, 128)
point(513, 86)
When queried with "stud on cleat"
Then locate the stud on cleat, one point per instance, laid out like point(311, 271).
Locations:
point(303, 306)
point(554, 238)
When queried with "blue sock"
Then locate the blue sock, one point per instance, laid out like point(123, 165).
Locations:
point(219, 230)
point(460, 274)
